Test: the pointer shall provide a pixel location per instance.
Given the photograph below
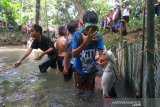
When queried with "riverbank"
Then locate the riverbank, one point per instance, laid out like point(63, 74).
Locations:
point(13, 38)
point(20, 38)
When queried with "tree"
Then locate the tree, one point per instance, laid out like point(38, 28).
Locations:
point(37, 11)
point(9, 12)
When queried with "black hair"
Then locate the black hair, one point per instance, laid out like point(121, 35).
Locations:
point(62, 31)
point(37, 28)
point(72, 26)
point(90, 17)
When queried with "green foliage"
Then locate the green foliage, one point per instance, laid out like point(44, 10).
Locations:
point(136, 24)
point(10, 12)
point(100, 7)
point(112, 41)
point(157, 24)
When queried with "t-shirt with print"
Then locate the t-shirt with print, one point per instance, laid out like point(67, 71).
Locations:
point(85, 62)
point(44, 45)
point(69, 48)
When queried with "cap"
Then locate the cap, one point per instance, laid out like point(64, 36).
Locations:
point(90, 24)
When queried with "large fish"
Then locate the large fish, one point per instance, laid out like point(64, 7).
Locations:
point(108, 76)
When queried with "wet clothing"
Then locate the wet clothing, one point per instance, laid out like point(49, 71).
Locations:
point(85, 84)
point(70, 73)
point(85, 62)
point(61, 66)
point(44, 45)
point(60, 63)
point(69, 51)
point(69, 48)
point(50, 62)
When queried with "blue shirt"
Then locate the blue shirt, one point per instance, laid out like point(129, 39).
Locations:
point(85, 62)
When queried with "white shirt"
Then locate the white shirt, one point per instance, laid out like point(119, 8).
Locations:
point(126, 11)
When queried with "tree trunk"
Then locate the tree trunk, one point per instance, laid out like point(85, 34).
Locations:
point(78, 6)
point(37, 11)
point(150, 46)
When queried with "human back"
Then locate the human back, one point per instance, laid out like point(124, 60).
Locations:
point(60, 45)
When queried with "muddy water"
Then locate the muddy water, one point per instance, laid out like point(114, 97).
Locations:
point(25, 86)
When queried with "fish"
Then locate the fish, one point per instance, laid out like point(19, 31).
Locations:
point(108, 76)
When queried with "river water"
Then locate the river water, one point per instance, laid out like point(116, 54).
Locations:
point(25, 86)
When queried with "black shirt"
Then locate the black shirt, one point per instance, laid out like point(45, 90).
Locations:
point(44, 45)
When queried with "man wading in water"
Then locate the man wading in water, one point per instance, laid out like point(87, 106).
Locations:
point(84, 46)
point(45, 44)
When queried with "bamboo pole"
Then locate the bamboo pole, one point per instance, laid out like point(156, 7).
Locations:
point(126, 63)
point(150, 45)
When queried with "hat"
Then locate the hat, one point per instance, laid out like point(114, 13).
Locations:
point(90, 24)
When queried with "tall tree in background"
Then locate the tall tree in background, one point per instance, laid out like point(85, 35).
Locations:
point(37, 11)
point(79, 8)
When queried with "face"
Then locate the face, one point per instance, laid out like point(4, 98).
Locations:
point(34, 33)
point(91, 29)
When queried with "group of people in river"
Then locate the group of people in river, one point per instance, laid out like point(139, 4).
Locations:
point(76, 51)
point(80, 45)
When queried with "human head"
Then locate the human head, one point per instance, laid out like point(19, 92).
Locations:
point(72, 26)
point(90, 20)
point(36, 30)
point(126, 3)
point(90, 17)
point(62, 31)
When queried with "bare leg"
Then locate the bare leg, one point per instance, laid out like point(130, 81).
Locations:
point(97, 83)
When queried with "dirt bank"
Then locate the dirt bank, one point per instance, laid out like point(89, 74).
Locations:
point(135, 36)
point(9, 38)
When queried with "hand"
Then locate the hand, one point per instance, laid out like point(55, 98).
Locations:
point(65, 70)
point(103, 61)
point(40, 56)
point(90, 36)
point(15, 65)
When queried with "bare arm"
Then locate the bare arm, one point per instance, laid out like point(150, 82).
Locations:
point(86, 41)
point(23, 57)
point(43, 53)
point(48, 51)
point(65, 70)
point(77, 51)
point(100, 53)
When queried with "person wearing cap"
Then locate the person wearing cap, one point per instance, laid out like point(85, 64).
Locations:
point(84, 46)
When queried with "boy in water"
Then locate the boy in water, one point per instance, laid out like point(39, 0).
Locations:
point(45, 44)
point(60, 44)
point(68, 70)
point(84, 46)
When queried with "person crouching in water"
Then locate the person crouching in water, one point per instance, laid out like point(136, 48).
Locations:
point(60, 45)
point(68, 60)
point(45, 44)
point(84, 46)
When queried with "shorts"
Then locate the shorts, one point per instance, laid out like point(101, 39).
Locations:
point(85, 83)
point(70, 73)
point(126, 18)
point(60, 63)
